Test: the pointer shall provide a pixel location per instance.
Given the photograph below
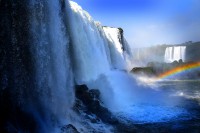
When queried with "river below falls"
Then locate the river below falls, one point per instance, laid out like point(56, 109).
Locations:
point(182, 116)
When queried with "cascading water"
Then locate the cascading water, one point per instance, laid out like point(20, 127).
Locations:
point(36, 66)
point(168, 54)
point(115, 44)
point(96, 52)
point(119, 90)
point(93, 55)
point(89, 53)
point(175, 53)
point(50, 49)
point(119, 48)
point(46, 46)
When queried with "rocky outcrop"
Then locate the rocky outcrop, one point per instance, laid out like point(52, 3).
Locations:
point(147, 71)
point(163, 67)
point(69, 129)
point(154, 69)
point(89, 102)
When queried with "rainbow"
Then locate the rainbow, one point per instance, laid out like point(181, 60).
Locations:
point(179, 69)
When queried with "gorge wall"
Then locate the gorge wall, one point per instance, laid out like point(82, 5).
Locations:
point(192, 52)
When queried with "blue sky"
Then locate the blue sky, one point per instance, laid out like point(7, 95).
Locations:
point(149, 22)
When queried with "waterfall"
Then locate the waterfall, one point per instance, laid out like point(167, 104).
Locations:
point(36, 68)
point(98, 55)
point(175, 53)
point(89, 53)
point(115, 45)
point(48, 47)
point(119, 48)
point(96, 50)
point(50, 50)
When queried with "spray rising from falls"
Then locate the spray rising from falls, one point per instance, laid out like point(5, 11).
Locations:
point(47, 46)
point(175, 53)
point(98, 58)
point(93, 53)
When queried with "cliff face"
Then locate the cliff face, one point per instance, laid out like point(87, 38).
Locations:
point(193, 52)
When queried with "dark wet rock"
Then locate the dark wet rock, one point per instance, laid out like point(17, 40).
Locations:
point(69, 129)
point(180, 61)
point(89, 102)
point(121, 30)
point(162, 67)
point(149, 71)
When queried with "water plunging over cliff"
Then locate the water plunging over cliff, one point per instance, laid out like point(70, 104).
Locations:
point(48, 47)
point(36, 74)
point(45, 46)
point(175, 53)
point(94, 51)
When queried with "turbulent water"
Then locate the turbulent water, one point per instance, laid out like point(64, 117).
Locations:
point(175, 53)
point(178, 105)
point(48, 47)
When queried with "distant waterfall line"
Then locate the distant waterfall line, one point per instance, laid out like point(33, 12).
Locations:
point(175, 53)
